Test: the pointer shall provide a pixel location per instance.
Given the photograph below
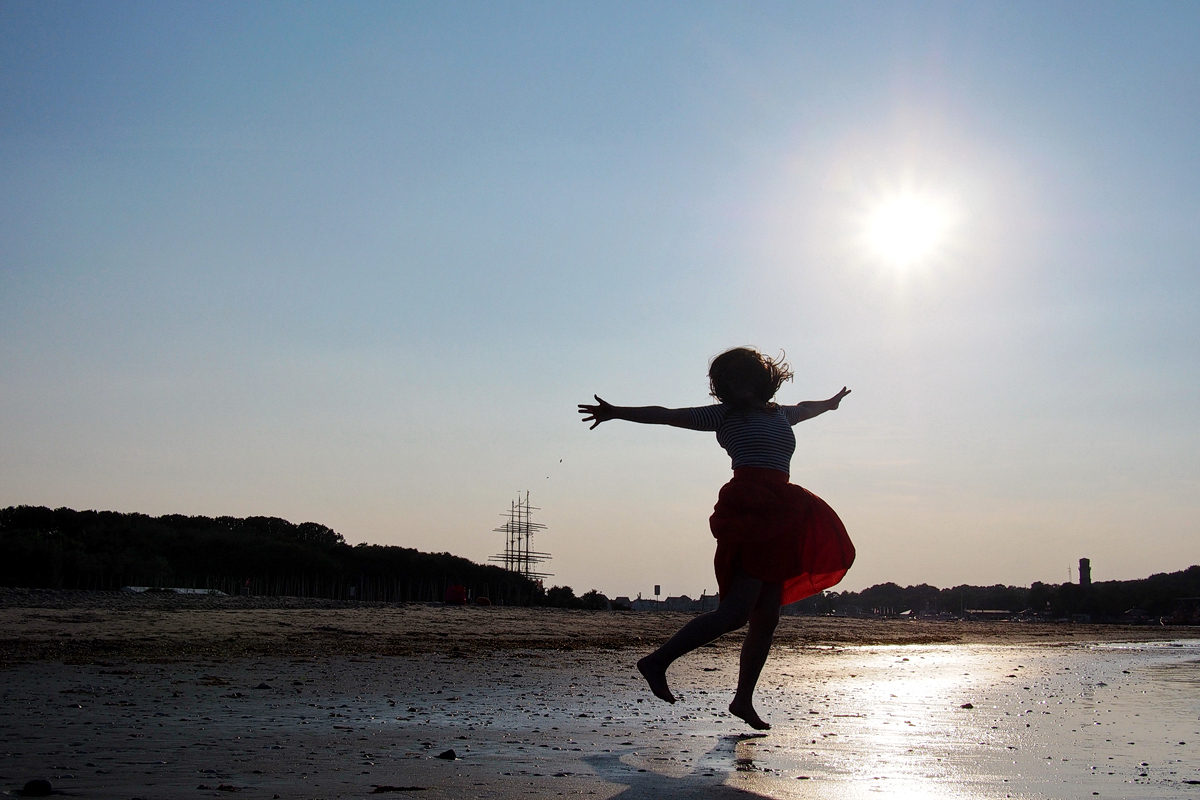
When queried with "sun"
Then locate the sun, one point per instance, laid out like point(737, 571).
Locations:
point(906, 229)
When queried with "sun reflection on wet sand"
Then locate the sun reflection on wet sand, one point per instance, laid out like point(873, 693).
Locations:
point(986, 721)
point(944, 722)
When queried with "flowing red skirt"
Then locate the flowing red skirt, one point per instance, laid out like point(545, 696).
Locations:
point(779, 533)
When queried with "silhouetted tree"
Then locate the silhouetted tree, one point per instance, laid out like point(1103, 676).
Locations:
point(562, 597)
point(594, 601)
point(63, 548)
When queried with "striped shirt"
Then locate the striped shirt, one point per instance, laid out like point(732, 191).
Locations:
point(757, 438)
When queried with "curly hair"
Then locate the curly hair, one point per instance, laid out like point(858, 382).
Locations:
point(743, 377)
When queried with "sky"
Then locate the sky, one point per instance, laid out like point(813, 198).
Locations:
point(358, 263)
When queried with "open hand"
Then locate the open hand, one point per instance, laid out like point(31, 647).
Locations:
point(837, 398)
point(596, 414)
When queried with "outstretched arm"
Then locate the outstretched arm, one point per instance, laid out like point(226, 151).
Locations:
point(811, 408)
point(647, 415)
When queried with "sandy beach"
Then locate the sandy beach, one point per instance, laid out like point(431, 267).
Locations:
point(115, 696)
point(84, 626)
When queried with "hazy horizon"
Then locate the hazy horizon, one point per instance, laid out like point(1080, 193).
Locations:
point(357, 265)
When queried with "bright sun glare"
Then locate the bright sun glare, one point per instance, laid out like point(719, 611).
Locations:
point(906, 229)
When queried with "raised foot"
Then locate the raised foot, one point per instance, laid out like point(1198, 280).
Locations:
point(656, 675)
point(747, 713)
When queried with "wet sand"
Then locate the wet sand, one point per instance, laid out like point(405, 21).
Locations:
point(83, 626)
point(159, 700)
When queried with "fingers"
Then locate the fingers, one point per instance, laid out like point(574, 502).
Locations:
point(595, 414)
point(592, 415)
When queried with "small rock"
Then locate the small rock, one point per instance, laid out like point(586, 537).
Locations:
point(264, 685)
point(449, 755)
point(39, 787)
point(967, 705)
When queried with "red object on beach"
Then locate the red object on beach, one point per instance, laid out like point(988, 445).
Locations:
point(483, 601)
point(456, 595)
point(779, 533)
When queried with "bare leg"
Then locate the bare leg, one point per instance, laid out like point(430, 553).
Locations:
point(730, 615)
point(755, 648)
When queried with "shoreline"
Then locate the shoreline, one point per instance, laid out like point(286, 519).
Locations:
point(83, 627)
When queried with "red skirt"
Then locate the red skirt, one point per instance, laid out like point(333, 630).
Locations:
point(779, 533)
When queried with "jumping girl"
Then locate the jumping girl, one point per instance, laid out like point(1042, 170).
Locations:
point(776, 542)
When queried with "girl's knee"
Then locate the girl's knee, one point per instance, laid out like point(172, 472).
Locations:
point(765, 619)
point(733, 616)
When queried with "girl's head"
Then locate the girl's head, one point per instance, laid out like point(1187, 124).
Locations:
point(745, 378)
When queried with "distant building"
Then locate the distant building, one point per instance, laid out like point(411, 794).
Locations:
point(987, 613)
point(681, 603)
point(1085, 572)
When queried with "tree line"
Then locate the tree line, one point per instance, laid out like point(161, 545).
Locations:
point(42, 548)
point(1164, 595)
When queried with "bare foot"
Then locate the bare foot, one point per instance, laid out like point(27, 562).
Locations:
point(656, 675)
point(746, 712)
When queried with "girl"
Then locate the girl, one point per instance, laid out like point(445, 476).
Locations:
point(776, 542)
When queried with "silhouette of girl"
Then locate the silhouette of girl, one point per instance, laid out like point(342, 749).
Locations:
point(776, 542)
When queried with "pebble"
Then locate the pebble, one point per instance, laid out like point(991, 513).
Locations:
point(38, 787)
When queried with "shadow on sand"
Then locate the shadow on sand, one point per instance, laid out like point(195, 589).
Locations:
point(706, 780)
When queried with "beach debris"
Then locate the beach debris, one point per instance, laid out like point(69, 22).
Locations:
point(264, 685)
point(967, 705)
point(39, 787)
point(449, 755)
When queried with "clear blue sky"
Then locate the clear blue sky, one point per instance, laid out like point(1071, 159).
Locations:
point(357, 263)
